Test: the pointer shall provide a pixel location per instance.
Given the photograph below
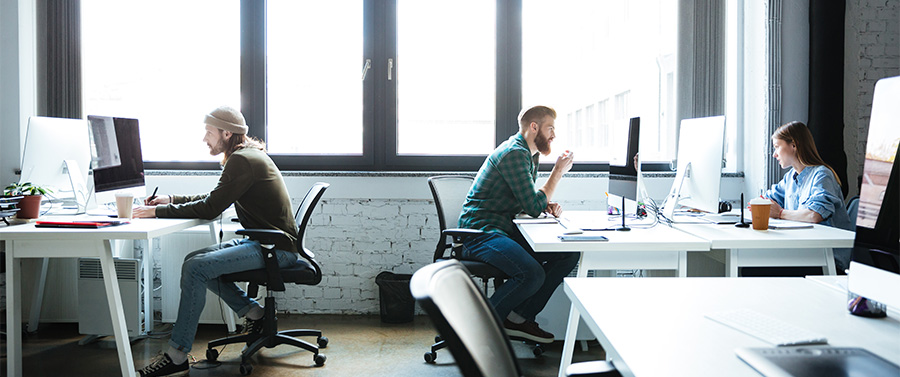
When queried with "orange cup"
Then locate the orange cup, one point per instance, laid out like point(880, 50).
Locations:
point(760, 208)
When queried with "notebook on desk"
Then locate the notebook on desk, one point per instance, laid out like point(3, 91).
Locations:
point(786, 224)
point(90, 224)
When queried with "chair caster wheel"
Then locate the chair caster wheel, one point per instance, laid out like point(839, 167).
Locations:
point(438, 339)
point(538, 350)
point(212, 354)
point(322, 341)
point(430, 357)
point(319, 359)
point(246, 369)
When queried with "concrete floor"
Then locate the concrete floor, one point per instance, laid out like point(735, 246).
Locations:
point(358, 346)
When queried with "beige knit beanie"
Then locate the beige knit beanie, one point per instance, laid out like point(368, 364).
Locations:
point(228, 119)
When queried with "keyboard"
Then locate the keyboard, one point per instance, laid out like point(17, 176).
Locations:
point(767, 329)
point(725, 218)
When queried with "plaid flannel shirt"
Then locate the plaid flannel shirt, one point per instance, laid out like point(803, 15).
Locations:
point(503, 188)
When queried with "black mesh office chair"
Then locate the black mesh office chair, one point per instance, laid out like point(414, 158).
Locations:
point(305, 272)
point(470, 326)
point(449, 192)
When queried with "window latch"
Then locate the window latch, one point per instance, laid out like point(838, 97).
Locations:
point(366, 68)
point(390, 67)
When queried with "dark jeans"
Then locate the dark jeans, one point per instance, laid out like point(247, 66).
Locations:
point(532, 276)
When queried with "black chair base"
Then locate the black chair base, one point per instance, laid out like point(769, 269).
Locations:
point(536, 348)
point(270, 338)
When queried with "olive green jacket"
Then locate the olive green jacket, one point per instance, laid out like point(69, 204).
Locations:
point(254, 184)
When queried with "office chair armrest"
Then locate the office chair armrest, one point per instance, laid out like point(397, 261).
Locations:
point(459, 234)
point(269, 237)
point(266, 236)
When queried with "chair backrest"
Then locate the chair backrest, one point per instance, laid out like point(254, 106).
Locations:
point(853, 209)
point(304, 212)
point(449, 192)
point(465, 320)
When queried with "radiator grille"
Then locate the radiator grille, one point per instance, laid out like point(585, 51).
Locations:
point(126, 269)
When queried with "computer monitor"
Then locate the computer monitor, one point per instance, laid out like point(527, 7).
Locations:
point(623, 170)
point(57, 156)
point(875, 262)
point(124, 145)
point(701, 145)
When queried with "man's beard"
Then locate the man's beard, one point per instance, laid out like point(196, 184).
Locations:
point(218, 148)
point(542, 144)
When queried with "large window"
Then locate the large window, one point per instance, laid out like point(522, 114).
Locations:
point(599, 63)
point(446, 77)
point(166, 68)
point(315, 94)
point(383, 84)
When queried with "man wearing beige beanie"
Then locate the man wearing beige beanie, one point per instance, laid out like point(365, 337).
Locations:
point(250, 181)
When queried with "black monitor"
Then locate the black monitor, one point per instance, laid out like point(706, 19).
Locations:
point(875, 263)
point(121, 169)
point(623, 172)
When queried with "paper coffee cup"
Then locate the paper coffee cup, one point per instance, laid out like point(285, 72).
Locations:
point(124, 203)
point(759, 208)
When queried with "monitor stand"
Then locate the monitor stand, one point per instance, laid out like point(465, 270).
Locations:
point(79, 189)
point(675, 194)
point(623, 228)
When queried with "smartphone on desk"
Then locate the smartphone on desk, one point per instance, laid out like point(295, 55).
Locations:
point(582, 237)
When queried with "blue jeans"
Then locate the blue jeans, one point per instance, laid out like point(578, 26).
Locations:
point(532, 276)
point(202, 270)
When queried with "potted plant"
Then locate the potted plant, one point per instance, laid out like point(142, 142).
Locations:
point(30, 204)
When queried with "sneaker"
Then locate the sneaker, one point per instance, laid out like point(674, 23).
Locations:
point(163, 366)
point(528, 330)
point(253, 326)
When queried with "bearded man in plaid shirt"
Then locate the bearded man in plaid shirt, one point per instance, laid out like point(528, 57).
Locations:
point(503, 188)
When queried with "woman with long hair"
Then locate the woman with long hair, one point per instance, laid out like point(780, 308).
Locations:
point(810, 190)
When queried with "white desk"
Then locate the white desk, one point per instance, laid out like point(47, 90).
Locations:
point(26, 241)
point(656, 248)
point(745, 247)
point(656, 326)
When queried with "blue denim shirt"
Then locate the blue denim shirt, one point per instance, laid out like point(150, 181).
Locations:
point(815, 189)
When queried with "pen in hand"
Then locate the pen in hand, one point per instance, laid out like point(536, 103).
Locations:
point(153, 195)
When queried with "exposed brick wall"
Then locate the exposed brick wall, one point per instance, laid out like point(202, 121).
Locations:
point(873, 50)
point(354, 240)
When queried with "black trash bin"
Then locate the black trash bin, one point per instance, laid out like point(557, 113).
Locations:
point(395, 299)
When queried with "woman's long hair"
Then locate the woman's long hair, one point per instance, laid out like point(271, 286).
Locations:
point(798, 134)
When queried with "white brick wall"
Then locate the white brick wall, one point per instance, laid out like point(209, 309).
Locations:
point(872, 40)
point(354, 240)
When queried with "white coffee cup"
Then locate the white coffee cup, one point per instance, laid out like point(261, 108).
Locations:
point(124, 203)
point(760, 208)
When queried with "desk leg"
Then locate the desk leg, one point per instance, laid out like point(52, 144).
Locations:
point(731, 267)
point(572, 326)
point(13, 312)
point(230, 320)
point(35, 317)
point(116, 312)
point(830, 269)
point(569, 342)
point(147, 263)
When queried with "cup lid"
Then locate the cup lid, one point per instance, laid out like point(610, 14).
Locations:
point(760, 201)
